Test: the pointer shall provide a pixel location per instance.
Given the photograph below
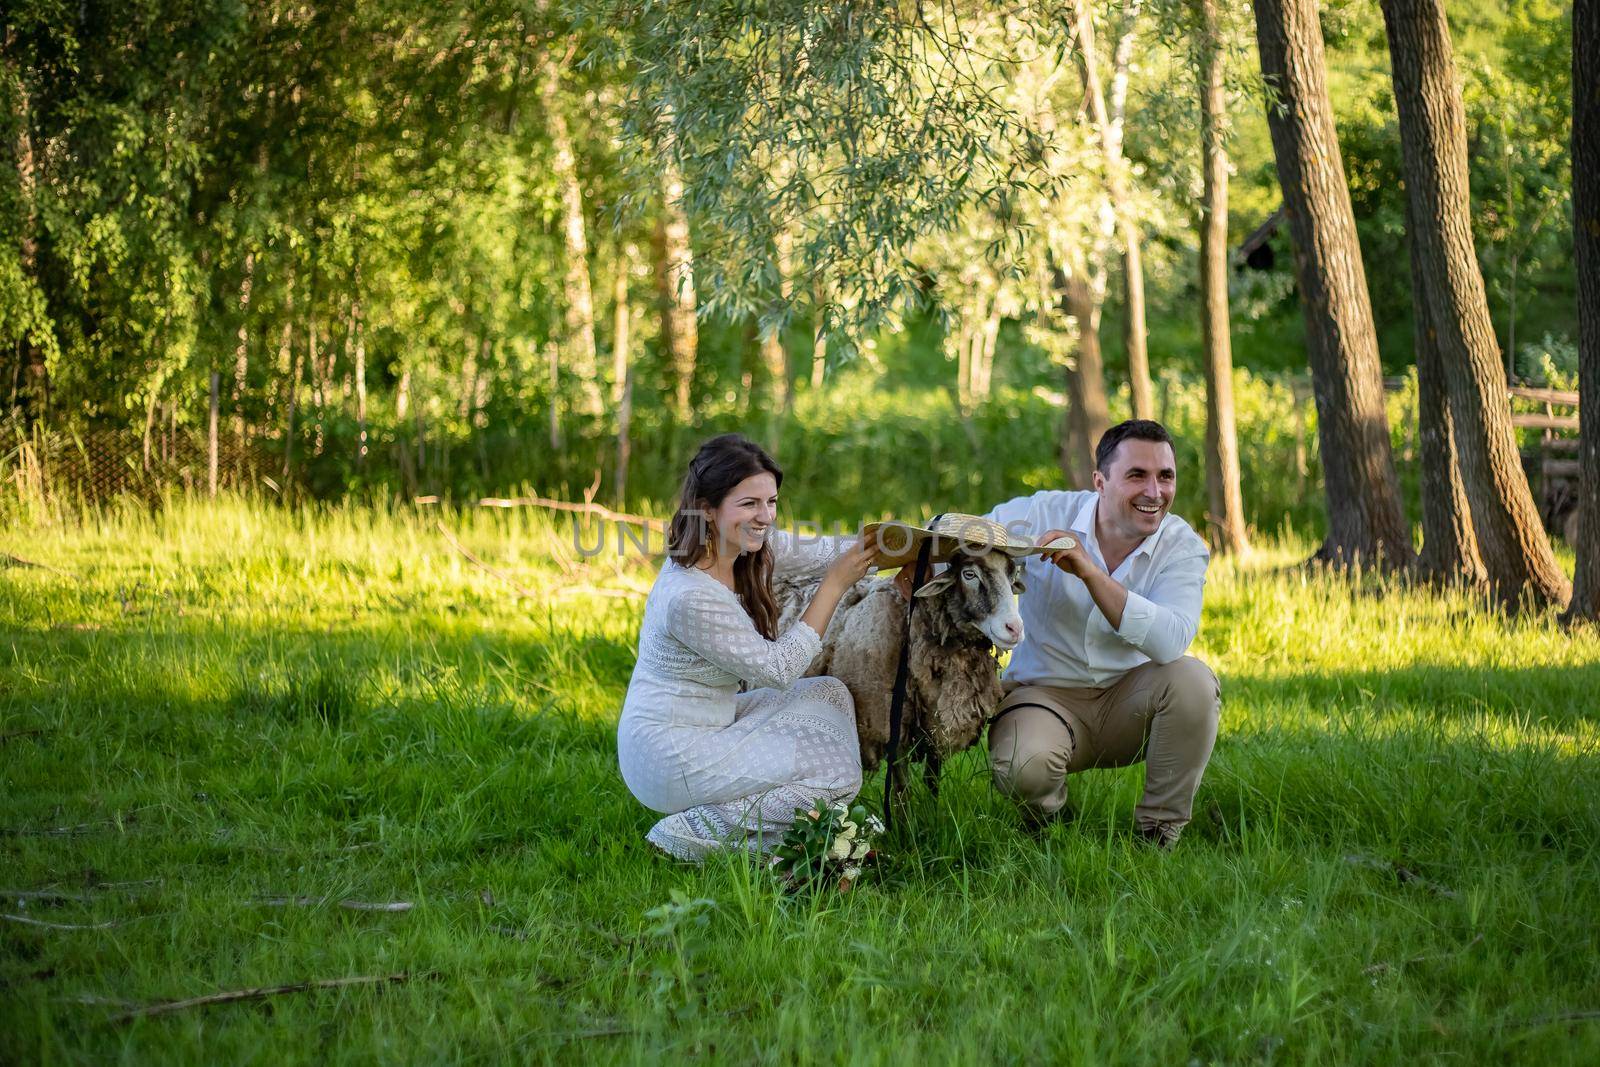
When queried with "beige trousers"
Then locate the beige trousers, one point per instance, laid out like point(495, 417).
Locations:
point(1162, 713)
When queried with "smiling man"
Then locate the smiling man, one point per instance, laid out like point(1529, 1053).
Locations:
point(1101, 678)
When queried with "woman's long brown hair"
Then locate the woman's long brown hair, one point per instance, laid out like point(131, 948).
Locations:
point(720, 465)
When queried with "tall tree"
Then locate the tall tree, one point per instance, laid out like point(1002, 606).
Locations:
point(579, 293)
point(29, 388)
point(1365, 520)
point(1088, 412)
point(1108, 123)
point(241, 353)
point(1226, 516)
point(774, 353)
point(680, 331)
point(622, 367)
point(1433, 148)
point(1449, 543)
point(1586, 237)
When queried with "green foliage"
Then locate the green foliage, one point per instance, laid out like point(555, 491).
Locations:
point(382, 181)
point(1551, 362)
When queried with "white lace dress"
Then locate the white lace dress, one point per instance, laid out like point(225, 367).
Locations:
point(725, 765)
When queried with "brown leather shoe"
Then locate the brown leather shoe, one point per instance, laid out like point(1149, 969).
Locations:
point(1038, 823)
point(1159, 836)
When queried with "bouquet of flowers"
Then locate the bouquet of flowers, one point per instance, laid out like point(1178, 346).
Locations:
point(827, 846)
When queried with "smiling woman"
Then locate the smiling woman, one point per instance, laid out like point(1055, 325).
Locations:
point(730, 768)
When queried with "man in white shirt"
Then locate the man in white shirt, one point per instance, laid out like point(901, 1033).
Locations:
point(1101, 678)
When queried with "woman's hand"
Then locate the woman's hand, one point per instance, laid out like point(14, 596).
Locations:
point(846, 570)
point(851, 566)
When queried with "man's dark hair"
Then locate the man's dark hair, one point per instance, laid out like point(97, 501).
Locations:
point(1133, 429)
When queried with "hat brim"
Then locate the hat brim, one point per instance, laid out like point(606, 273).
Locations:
point(900, 542)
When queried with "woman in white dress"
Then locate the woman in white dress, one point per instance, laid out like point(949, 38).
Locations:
point(729, 767)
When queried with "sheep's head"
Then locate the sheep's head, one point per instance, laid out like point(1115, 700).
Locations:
point(981, 591)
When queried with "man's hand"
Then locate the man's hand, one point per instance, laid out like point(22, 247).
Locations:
point(1109, 595)
point(1075, 561)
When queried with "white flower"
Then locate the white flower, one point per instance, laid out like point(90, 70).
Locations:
point(840, 849)
point(860, 850)
point(874, 824)
point(852, 873)
point(848, 831)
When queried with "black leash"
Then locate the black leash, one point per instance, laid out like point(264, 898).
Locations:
point(898, 701)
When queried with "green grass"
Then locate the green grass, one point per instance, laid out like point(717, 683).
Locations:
point(1394, 854)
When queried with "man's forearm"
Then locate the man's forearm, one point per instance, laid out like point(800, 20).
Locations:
point(1109, 595)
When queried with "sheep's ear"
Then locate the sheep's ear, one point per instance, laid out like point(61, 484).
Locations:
point(1017, 587)
point(938, 585)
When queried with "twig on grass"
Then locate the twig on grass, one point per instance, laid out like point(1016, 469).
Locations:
point(75, 830)
point(617, 1029)
point(1563, 1017)
point(94, 1001)
point(510, 931)
point(17, 561)
point(1383, 967)
point(55, 831)
point(14, 734)
point(49, 895)
point(590, 508)
point(1403, 875)
point(352, 905)
point(166, 1007)
point(599, 1031)
point(108, 924)
point(459, 547)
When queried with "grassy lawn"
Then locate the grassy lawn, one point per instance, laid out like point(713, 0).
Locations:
point(211, 711)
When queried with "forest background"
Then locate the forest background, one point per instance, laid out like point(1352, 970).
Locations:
point(367, 250)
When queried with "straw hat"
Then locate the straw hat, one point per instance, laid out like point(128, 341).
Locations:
point(899, 542)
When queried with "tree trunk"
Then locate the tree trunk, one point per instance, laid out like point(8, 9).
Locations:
point(402, 404)
point(314, 365)
point(1366, 523)
point(1586, 234)
point(774, 356)
point(293, 403)
point(30, 390)
point(1108, 127)
point(819, 337)
point(624, 437)
point(212, 411)
point(621, 324)
point(1449, 545)
point(1088, 412)
point(241, 353)
point(149, 426)
point(1226, 518)
point(361, 379)
point(675, 279)
point(1433, 151)
point(553, 362)
point(581, 357)
point(962, 345)
point(983, 352)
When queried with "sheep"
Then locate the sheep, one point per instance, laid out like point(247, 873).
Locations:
point(952, 680)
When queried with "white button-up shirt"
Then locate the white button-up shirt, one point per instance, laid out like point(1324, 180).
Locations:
point(1068, 640)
